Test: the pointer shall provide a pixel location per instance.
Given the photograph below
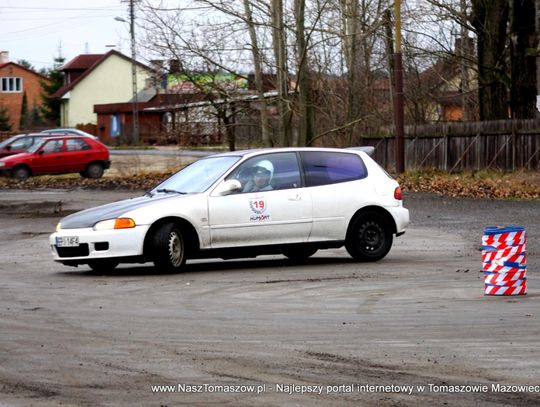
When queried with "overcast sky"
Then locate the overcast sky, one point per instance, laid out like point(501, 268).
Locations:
point(37, 30)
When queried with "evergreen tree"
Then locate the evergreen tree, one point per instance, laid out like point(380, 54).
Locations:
point(35, 116)
point(23, 122)
point(26, 64)
point(51, 106)
point(4, 119)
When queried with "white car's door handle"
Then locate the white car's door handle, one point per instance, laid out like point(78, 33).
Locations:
point(296, 197)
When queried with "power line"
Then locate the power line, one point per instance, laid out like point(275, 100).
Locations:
point(60, 8)
point(54, 23)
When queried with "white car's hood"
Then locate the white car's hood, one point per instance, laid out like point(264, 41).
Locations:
point(89, 217)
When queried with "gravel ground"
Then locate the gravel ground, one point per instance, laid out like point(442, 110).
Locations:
point(360, 331)
point(468, 217)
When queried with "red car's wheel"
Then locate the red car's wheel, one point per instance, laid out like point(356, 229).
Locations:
point(94, 170)
point(21, 173)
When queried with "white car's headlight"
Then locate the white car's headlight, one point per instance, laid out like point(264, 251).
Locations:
point(118, 223)
point(59, 226)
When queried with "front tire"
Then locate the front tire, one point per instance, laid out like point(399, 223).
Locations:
point(369, 237)
point(20, 173)
point(168, 248)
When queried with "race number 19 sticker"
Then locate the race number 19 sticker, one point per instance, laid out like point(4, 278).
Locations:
point(258, 209)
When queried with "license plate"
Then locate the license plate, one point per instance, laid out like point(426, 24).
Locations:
point(67, 241)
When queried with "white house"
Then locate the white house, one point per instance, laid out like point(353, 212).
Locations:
point(92, 79)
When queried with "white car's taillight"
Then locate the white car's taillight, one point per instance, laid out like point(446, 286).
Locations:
point(398, 194)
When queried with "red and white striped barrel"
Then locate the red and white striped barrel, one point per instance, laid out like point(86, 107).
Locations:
point(504, 260)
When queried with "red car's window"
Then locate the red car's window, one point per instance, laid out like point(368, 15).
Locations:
point(52, 146)
point(23, 143)
point(77, 145)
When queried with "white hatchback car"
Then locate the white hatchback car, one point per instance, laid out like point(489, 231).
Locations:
point(291, 201)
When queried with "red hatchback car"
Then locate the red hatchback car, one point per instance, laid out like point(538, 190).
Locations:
point(21, 143)
point(59, 155)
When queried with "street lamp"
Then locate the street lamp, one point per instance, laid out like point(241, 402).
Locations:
point(135, 109)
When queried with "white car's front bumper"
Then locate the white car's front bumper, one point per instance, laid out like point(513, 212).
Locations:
point(101, 244)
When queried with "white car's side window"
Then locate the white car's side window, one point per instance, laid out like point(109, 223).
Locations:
point(268, 172)
point(323, 168)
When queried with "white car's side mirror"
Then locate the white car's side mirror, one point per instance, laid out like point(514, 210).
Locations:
point(228, 187)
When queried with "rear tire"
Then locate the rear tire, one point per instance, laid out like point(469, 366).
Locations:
point(369, 237)
point(168, 248)
point(94, 170)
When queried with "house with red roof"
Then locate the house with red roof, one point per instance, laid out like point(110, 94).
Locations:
point(16, 81)
point(92, 79)
point(449, 87)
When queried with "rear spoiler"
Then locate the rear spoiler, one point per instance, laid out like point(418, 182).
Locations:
point(369, 150)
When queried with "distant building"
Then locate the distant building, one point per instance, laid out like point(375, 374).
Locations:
point(443, 86)
point(92, 79)
point(175, 110)
point(15, 82)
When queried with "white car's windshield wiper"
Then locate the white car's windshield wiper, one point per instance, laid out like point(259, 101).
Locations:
point(170, 191)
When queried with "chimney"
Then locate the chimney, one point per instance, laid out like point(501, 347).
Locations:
point(174, 66)
point(4, 57)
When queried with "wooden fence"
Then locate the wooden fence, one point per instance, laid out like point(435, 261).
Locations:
point(507, 145)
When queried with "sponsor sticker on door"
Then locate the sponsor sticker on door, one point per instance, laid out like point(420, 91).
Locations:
point(259, 210)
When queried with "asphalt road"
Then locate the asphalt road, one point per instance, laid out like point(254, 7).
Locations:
point(327, 332)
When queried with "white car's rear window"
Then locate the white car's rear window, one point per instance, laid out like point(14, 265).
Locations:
point(323, 167)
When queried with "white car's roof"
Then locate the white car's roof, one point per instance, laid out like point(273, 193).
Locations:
point(354, 150)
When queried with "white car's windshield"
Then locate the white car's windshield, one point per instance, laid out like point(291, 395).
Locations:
point(197, 177)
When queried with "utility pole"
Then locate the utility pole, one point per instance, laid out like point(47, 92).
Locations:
point(398, 93)
point(135, 108)
point(465, 55)
point(135, 135)
point(537, 21)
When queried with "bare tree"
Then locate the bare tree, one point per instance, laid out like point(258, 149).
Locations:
point(305, 100)
point(490, 18)
point(330, 64)
point(258, 72)
point(505, 60)
point(523, 44)
point(201, 54)
point(279, 42)
point(350, 42)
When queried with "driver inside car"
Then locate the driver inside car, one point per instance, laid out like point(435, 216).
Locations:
point(260, 180)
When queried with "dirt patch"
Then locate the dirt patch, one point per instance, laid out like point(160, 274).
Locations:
point(518, 185)
point(23, 208)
